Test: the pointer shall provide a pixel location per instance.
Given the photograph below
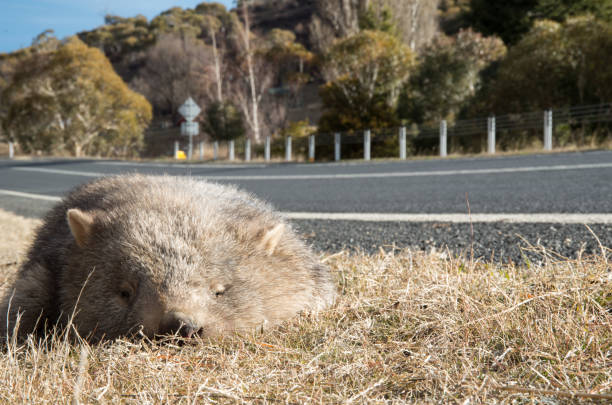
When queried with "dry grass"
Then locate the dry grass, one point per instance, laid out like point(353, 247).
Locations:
point(15, 234)
point(408, 327)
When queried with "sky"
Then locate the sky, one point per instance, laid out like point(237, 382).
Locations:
point(22, 20)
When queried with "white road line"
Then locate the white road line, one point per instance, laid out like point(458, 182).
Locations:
point(60, 171)
point(186, 165)
point(354, 175)
point(455, 218)
point(555, 218)
point(30, 195)
point(414, 174)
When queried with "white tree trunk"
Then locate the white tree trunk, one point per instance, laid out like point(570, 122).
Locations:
point(217, 62)
point(251, 76)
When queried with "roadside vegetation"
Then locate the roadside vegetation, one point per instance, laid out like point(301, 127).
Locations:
point(341, 66)
point(408, 327)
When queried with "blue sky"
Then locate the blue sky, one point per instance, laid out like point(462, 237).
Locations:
point(22, 20)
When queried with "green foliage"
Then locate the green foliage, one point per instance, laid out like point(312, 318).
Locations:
point(280, 45)
point(299, 129)
point(509, 20)
point(71, 99)
point(512, 19)
point(186, 23)
point(213, 9)
point(280, 49)
point(560, 10)
point(365, 74)
point(377, 19)
point(120, 36)
point(453, 14)
point(448, 76)
point(556, 65)
point(223, 121)
point(216, 17)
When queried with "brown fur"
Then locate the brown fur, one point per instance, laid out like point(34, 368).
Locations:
point(163, 254)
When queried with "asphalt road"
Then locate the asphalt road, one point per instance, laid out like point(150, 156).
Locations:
point(519, 190)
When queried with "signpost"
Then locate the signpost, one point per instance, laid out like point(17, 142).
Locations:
point(189, 110)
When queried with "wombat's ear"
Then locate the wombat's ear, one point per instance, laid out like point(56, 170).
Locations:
point(271, 238)
point(80, 224)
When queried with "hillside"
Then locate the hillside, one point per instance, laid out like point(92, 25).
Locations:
point(292, 15)
point(292, 69)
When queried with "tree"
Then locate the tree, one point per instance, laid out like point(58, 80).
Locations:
point(175, 68)
point(416, 21)
point(413, 21)
point(216, 25)
point(265, 61)
point(509, 20)
point(560, 10)
point(365, 74)
point(287, 60)
point(223, 121)
point(119, 36)
point(177, 21)
point(448, 76)
point(556, 65)
point(377, 19)
point(334, 19)
point(512, 19)
point(255, 83)
point(452, 15)
point(71, 98)
point(213, 25)
point(11, 64)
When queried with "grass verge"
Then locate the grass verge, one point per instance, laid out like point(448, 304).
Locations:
point(408, 327)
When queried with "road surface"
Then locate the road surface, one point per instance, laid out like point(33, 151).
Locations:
point(544, 200)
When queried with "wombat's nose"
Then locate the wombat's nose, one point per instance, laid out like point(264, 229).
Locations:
point(176, 323)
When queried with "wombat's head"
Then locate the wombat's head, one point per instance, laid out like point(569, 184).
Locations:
point(165, 272)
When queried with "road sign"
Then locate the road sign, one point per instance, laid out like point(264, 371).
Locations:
point(189, 109)
point(190, 128)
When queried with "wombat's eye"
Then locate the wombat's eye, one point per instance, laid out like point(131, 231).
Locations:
point(126, 291)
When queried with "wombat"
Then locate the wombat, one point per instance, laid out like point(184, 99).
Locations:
point(163, 255)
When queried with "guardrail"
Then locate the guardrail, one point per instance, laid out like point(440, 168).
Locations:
point(396, 139)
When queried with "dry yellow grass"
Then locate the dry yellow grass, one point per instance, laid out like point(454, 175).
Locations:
point(15, 235)
point(407, 328)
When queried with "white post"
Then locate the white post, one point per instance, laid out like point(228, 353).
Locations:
point(548, 129)
point(216, 150)
point(367, 140)
point(311, 148)
point(247, 150)
point(231, 150)
point(337, 145)
point(11, 150)
point(288, 149)
point(176, 149)
point(267, 149)
point(491, 135)
point(190, 151)
point(402, 143)
point(201, 150)
point(443, 138)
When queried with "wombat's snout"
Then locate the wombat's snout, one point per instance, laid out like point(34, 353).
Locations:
point(176, 323)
